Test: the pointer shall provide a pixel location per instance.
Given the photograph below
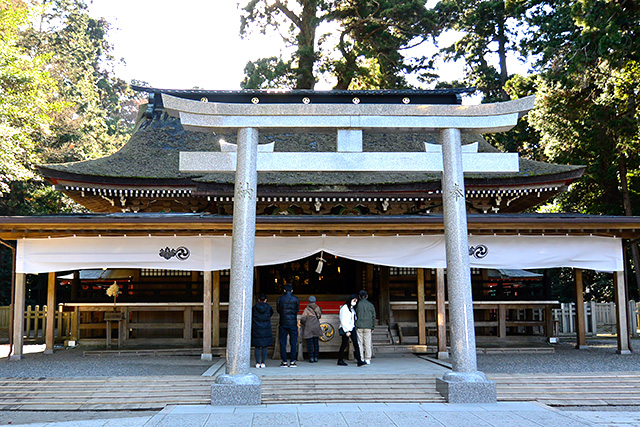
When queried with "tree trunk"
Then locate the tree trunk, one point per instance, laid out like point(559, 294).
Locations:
point(628, 211)
point(346, 75)
point(306, 52)
point(502, 53)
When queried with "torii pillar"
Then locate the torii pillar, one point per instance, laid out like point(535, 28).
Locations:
point(465, 384)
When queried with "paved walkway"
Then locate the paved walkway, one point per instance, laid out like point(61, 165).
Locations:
point(370, 415)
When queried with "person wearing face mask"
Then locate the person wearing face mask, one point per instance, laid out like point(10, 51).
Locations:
point(348, 330)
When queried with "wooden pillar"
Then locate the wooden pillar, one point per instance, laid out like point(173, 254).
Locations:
point(215, 306)
point(622, 315)
point(193, 286)
point(256, 281)
point(18, 317)
point(206, 316)
point(75, 284)
point(187, 333)
point(422, 327)
point(369, 280)
point(123, 327)
point(51, 313)
point(441, 315)
point(385, 298)
point(581, 339)
point(502, 320)
point(548, 320)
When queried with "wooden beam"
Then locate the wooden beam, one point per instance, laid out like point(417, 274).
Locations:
point(581, 339)
point(206, 316)
point(422, 331)
point(215, 305)
point(622, 315)
point(12, 228)
point(51, 313)
point(441, 315)
point(18, 317)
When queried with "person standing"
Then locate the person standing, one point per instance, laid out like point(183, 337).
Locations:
point(348, 330)
point(288, 306)
point(365, 322)
point(311, 331)
point(261, 333)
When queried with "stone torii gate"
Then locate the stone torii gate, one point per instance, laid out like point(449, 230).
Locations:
point(465, 383)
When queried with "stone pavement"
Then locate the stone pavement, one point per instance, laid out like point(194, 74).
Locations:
point(507, 414)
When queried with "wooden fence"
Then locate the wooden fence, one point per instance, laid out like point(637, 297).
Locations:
point(35, 326)
point(600, 318)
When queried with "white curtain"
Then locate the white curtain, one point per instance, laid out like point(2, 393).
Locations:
point(207, 253)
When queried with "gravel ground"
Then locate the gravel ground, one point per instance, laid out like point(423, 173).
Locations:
point(599, 357)
point(72, 363)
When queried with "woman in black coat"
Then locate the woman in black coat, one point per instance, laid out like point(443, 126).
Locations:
point(261, 334)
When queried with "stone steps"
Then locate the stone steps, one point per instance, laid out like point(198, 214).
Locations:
point(590, 389)
point(145, 393)
point(360, 389)
point(103, 393)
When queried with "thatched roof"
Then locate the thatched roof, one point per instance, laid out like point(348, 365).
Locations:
point(153, 150)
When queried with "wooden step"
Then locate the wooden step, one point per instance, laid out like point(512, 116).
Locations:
point(371, 389)
point(130, 393)
point(580, 389)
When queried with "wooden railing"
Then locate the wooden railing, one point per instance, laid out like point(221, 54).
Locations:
point(600, 318)
point(35, 323)
point(142, 323)
point(490, 314)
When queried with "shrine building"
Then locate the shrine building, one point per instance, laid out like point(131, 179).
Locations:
point(163, 232)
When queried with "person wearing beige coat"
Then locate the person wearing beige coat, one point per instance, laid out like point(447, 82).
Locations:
point(311, 330)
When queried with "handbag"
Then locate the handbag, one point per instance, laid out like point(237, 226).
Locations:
point(341, 331)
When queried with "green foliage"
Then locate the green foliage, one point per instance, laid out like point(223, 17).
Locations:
point(268, 73)
point(524, 138)
point(296, 21)
point(59, 98)
point(365, 52)
point(587, 99)
point(372, 38)
point(25, 104)
point(90, 126)
point(35, 197)
point(598, 286)
point(488, 29)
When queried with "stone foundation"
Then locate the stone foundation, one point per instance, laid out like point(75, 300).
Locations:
point(235, 394)
point(467, 388)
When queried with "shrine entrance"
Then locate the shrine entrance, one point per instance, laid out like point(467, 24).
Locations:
point(338, 277)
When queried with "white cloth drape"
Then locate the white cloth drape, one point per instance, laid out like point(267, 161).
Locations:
point(209, 253)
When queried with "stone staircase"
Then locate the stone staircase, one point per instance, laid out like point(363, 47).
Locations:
point(358, 389)
point(592, 389)
point(381, 335)
point(139, 393)
point(575, 389)
point(103, 393)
